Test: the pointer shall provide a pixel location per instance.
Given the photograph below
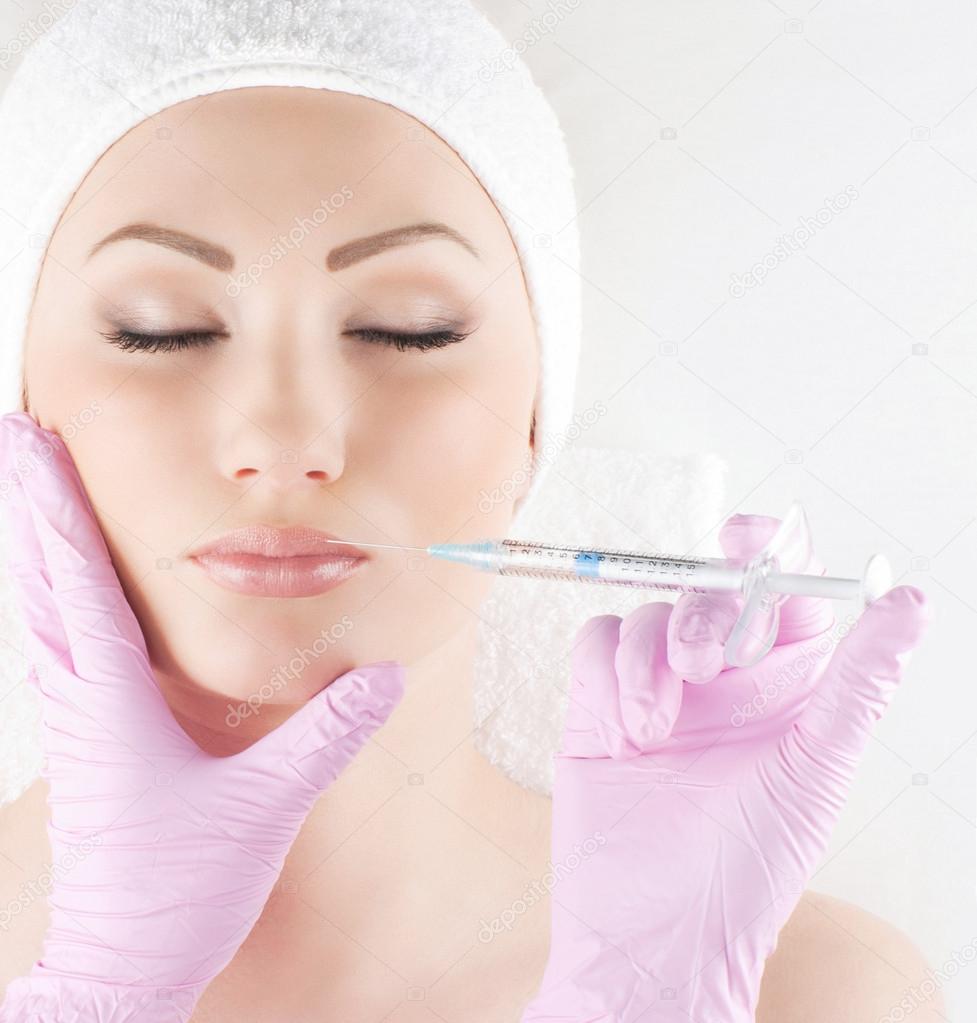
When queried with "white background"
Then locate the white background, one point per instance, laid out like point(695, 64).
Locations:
point(705, 132)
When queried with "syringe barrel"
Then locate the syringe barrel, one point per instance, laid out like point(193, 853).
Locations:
point(621, 568)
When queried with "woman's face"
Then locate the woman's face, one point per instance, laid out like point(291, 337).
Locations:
point(285, 410)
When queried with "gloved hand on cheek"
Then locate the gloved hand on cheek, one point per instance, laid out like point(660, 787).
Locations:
point(172, 852)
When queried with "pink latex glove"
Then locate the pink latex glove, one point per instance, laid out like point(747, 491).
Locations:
point(689, 817)
point(176, 850)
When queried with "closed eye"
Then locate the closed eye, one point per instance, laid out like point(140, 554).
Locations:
point(133, 341)
point(130, 341)
point(400, 341)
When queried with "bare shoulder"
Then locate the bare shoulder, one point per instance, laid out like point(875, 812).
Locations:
point(25, 873)
point(838, 963)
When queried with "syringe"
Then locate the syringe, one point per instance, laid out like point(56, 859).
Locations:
point(760, 581)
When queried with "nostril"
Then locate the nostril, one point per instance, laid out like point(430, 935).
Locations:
point(316, 474)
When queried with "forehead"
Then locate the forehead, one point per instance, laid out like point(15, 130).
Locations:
point(247, 162)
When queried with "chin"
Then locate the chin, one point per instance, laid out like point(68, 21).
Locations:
point(286, 650)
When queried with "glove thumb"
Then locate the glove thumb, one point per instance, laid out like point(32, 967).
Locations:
point(830, 735)
point(318, 741)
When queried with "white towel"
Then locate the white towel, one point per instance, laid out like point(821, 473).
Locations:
point(601, 497)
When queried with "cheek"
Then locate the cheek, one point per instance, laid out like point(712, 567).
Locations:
point(137, 459)
point(448, 450)
point(121, 427)
point(437, 458)
point(137, 462)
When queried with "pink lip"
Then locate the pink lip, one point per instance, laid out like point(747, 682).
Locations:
point(268, 562)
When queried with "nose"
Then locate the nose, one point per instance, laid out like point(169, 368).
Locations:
point(293, 450)
point(288, 403)
point(291, 468)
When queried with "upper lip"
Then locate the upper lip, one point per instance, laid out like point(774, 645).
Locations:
point(278, 542)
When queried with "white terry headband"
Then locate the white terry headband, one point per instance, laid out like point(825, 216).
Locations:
point(109, 64)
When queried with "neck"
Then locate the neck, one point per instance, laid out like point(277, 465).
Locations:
point(420, 827)
point(438, 797)
point(420, 847)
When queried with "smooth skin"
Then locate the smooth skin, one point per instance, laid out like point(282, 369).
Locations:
point(378, 911)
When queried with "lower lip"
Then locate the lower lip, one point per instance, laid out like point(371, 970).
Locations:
point(259, 576)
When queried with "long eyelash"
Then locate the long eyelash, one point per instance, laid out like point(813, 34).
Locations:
point(431, 339)
point(131, 341)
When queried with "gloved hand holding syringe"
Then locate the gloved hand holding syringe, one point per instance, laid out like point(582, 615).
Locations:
point(761, 583)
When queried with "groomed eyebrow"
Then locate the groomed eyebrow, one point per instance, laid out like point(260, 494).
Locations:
point(339, 258)
point(362, 248)
point(213, 255)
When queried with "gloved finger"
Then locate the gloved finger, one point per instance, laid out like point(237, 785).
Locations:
point(623, 698)
point(45, 639)
point(320, 739)
point(82, 626)
point(103, 634)
point(650, 691)
point(824, 746)
point(702, 622)
point(801, 617)
point(698, 628)
point(593, 726)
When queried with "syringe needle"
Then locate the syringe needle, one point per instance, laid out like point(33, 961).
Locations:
point(389, 546)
